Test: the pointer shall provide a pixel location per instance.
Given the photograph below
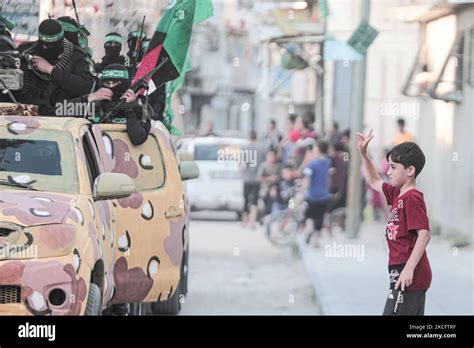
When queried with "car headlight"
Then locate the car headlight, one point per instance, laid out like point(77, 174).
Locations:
point(40, 242)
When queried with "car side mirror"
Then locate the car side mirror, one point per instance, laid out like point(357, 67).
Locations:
point(113, 186)
point(184, 155)
point(188, 170)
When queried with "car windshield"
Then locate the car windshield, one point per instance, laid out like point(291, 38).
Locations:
point(42, 159)
point(214, 152)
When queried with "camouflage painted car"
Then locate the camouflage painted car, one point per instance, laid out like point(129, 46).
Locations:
point(88, 220)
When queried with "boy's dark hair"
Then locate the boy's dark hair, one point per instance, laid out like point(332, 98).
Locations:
point(292, 118)
point(347, 133)
point(323, 147)
point(272, 122)
point(335, 125)
point(408, 154)
point(401, 122)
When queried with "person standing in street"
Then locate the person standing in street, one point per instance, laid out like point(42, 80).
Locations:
point(333, 136)
point(271, 140)
point(407, 231)
point(268, 176)
point(402, 135)
point(316, 183)
point(251, 184)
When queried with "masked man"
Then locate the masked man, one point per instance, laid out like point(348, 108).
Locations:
point(54, 69)
point(113, 47)
point(6, 40)
point(134, 56)
point(114, 85)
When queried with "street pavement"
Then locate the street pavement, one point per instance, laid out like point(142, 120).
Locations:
point(233, 270)
point(350, 275)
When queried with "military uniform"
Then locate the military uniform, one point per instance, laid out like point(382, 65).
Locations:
point(137, 116)
point(112, 46)
point(71, 75)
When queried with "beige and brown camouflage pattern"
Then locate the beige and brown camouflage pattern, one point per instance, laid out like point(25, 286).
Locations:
point(18, 109)
point(138, 240)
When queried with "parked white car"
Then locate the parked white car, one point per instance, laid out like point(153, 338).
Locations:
point(220, 183)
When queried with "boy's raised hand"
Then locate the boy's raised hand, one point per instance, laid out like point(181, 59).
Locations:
point(363, 141)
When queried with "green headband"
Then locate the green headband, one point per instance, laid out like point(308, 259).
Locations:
point(69, 27)
point(84, 31)
point(114, 38)
point(108, 74)
point(8, 24)
point(137, 34)
point(51, 38)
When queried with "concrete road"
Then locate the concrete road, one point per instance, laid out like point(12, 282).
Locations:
point(233, 270)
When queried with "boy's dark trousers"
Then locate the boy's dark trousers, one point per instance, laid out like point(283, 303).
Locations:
point(405, 302)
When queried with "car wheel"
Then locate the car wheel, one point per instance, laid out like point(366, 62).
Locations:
point(94, 301)
point(172, 306)
point(184, 271)
point(136, 309)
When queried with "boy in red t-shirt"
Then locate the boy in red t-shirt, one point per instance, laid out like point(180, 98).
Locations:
point(407, 231)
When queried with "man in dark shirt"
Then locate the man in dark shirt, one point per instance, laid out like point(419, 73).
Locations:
point(135, 112)
point(112, 47)
point(55, 70)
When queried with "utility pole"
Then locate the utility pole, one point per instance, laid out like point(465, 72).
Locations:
point(320, 72)
point(354, 199)
point(320, 83)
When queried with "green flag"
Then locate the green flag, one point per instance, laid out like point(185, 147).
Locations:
point(171, 88)
point(171, 41)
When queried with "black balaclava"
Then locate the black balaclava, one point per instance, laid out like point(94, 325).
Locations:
point(113, 45)
point(71, 29)
point(6, 40)
point(116, 72)
point(132, 39)
point(51, 39)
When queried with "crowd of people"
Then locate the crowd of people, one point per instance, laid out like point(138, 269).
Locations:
point(301, 157)
point(315, 163)
point(58, 68)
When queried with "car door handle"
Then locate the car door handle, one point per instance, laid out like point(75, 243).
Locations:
point(174, 213)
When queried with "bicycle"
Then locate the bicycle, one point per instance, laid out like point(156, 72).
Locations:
point(282, 226)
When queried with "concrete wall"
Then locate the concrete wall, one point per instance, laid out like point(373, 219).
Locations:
point(446, 137)
point(389, 60)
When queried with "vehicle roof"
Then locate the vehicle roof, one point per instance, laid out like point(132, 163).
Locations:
point(71, 124)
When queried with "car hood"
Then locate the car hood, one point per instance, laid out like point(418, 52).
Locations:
point(31, 208)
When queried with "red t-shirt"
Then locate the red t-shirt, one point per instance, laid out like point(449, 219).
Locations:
point(407, 215)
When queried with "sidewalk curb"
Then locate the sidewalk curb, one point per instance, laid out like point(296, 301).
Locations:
point(319, 293)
